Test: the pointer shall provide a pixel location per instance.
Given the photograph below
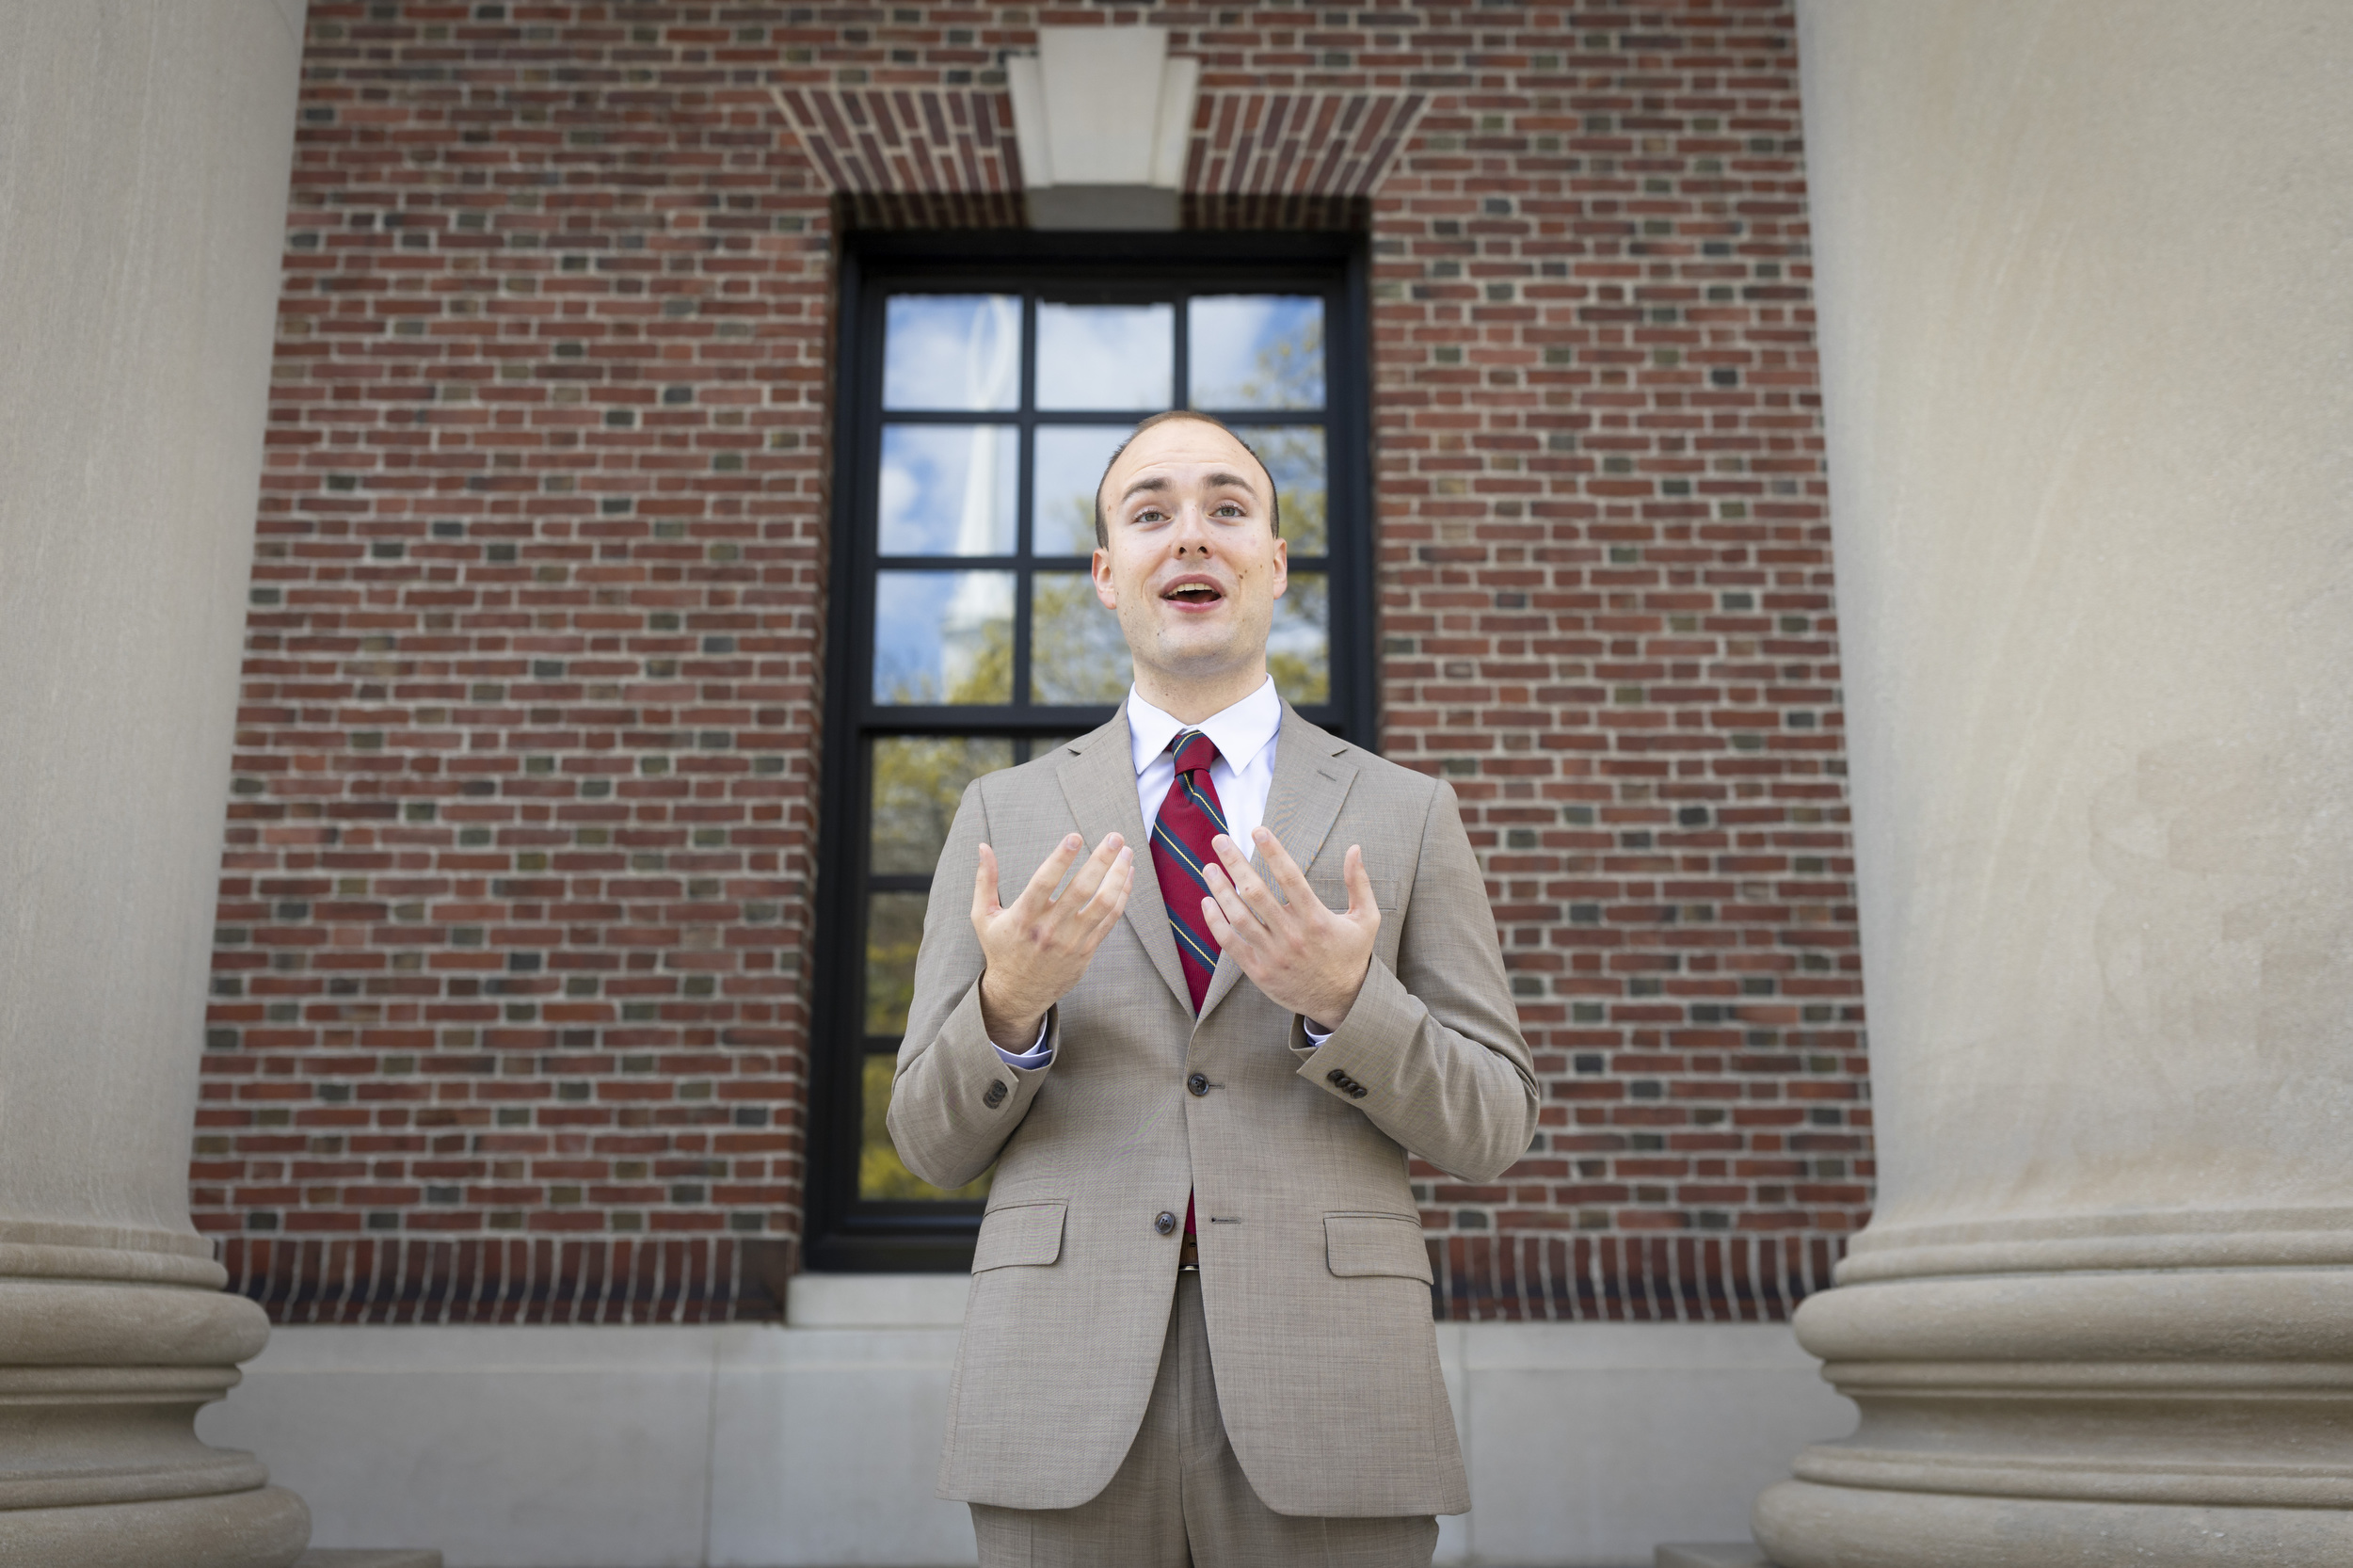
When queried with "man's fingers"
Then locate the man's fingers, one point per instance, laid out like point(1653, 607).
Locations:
point(1246, 881)
point(1048, 874)
point(1225, 896)
point(1220, 927)
point(1359, 885)
point(1110, 882)
point(1091, 876)
point(1110, 901)
point(1278, 860)
point(984, 904)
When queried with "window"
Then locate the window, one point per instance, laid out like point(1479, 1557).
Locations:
point(985, 377)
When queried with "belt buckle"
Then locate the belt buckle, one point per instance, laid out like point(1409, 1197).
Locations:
point(1189, 1256)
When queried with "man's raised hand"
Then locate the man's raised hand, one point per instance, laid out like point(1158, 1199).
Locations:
point(1034, 948)
point(1306, 957)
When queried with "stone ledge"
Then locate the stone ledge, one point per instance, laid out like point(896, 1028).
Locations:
point(1742, 1554)
point(318, 1557)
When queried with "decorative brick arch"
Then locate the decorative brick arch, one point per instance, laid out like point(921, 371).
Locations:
point(1268, 157)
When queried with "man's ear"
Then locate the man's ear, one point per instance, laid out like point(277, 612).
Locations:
point(1282, 566)
point(1104, 589)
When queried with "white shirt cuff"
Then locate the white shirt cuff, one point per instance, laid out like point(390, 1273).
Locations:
point(1036, 1057)
point(1315, 1036)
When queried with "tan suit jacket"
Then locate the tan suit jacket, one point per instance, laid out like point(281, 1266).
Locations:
point(1313, 1280)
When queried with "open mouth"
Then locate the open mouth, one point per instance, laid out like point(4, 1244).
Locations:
point(1194, 593)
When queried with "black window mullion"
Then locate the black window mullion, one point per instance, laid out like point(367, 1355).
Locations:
point(1021, 589)
point(949, 719)
point(1180, 396)
point(1023, 448)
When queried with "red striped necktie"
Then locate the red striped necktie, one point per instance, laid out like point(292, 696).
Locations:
point(1189, 816)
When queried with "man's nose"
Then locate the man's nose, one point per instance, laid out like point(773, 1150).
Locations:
point(1192, 526)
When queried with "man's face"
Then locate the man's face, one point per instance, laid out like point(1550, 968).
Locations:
point(1192, 568)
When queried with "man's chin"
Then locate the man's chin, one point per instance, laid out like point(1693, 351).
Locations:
point(1203, 660)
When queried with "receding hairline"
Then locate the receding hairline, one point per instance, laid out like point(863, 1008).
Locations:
point(1273, 496)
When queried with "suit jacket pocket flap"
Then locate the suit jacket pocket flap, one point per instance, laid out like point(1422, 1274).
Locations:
point(1355, 1244)
point(1019, 1233)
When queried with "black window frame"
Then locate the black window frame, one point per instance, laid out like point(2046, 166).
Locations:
point(840, 1231)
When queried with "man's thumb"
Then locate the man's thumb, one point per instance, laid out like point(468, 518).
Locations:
point(984, 886)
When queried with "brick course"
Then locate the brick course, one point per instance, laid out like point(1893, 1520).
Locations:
point(509, 1011)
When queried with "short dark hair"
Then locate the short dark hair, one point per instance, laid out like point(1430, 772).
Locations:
point(1273, 501)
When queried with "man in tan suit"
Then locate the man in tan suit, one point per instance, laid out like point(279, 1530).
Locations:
point(1299, 984)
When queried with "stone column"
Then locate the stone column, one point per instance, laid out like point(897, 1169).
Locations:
point(2086, 284)
point(144, 153)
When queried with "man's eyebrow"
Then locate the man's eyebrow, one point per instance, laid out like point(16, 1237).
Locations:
point(1149, 483)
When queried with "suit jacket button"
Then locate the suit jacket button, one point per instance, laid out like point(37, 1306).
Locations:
point(1198, 1083)
point(996, 1095)
point(1164, 1222)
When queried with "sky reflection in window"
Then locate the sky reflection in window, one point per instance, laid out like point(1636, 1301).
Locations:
point(943, 637)
point(951, 351)
point(1254, 351)
point(949, 490)
point(1070, 463)
point(1106, 356)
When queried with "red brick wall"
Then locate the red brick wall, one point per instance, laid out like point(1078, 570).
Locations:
point(1605, 598)
point(509, 1006)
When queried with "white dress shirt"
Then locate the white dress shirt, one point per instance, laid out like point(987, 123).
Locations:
point(1244, 771)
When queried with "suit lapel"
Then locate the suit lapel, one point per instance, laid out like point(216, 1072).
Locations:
point(1100, 785)
point(1311, 779)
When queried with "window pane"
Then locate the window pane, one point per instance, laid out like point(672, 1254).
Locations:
point(1071, 462)
point(1106, 356)
point(1254, 350)
point(1077, 653)
point(880, 1174)
point(951, 351)
point(894, 929)
point(1293, 453)
point(943, 636)
point(918, 781)
point(949, 490)
point(1299, 647)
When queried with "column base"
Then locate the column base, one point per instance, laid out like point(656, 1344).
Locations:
point(2166, 1418)
point(266, 1527)
point(1806, 1526)
point(100, 1464)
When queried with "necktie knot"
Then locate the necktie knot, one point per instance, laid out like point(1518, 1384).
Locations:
point(1194, 751)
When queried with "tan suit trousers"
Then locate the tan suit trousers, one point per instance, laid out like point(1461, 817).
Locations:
point(1180, 1498)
